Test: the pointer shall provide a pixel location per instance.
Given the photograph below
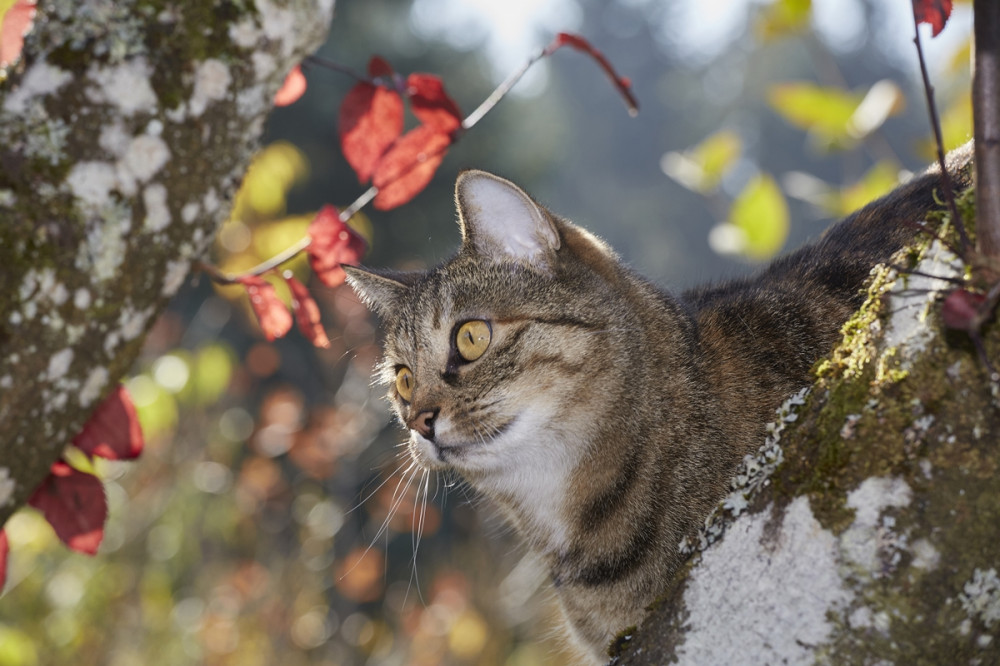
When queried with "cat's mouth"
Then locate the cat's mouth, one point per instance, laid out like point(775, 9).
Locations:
point(445, 450)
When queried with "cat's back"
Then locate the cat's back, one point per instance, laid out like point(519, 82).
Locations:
point(760, 335)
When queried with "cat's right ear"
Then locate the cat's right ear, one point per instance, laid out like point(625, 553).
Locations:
point(499, 220)
point(382, 293)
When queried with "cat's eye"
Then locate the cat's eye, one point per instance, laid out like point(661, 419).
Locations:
point(404, 383)
point(472, 339)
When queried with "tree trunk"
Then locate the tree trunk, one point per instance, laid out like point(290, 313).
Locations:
point(123, 133)
point(877, 537)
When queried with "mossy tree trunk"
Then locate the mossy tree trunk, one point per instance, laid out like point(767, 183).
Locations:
point(124, 131)
point(868, 529)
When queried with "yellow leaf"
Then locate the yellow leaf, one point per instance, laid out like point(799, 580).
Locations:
point(212, 369)
point(879, 180)
point(761, 213)
point(16, 648)
point(823, 111)
point(883, 99)
point(782, 18)
point(701, 167)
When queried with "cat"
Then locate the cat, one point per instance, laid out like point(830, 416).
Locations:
point(605, 416)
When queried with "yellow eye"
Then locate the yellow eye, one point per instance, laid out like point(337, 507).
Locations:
point(404, 383)
point(473, 338)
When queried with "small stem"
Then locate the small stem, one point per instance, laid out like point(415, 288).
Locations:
point(501, 90)
point(329, 64)
point(259, 269)
point(949, 193)
point(358, 204)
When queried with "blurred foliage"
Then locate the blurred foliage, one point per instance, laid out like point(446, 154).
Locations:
point(758, 221)
point(783, 18)
point(271, 518)
point(701, 167)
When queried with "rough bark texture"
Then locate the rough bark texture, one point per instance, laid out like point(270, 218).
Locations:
point(123, 133)
point(875, 540)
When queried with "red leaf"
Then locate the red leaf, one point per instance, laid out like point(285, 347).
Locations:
point(409, 166)
point(306, 312)
point(577, 42)
point(113, 430)
point(74, 504)
point(273, 316)
point(431, 104)
point(15, 25)
point(933, 12)
point(333, 243)
point(371, 118)
point(960, 310)
point(377, 67)
point(4, 549)
point(293, 87)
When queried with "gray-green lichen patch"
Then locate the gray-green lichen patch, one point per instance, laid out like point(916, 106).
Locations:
point(123, 131)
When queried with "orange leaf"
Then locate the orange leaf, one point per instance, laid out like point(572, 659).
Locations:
point(16, 23)
point(74, 504)
point(293, 87)
point(113, 430)
point(273, 316)
point(306, 312)
point(333, 243)
point(431, 104)
point(371, 118)
point(409, 166)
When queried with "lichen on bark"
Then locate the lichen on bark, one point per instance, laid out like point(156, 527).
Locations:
point(124, 130)
point(891, 471)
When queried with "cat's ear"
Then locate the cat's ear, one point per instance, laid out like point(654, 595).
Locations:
point(500, 221)
point(381, 292)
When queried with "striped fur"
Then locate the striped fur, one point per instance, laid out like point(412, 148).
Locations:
point(607, 417)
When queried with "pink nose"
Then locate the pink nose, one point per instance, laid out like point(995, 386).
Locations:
point(424, 422)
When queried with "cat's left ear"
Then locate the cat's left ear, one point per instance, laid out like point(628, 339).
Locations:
point(499, 220)
point(382, 293)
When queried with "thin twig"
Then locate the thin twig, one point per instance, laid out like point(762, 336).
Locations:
point(501, 91)
point(261, 268)
point(336, 67)
point(939, 142)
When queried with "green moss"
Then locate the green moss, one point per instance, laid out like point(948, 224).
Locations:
point(935, 426)
point(621, 639)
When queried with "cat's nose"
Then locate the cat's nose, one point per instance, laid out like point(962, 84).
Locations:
point(423, 422)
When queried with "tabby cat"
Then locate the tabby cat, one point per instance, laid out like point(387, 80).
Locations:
point(604, 415)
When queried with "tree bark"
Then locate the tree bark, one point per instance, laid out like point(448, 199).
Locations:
point(124, 131)
point(866, 530)
point(986, 125)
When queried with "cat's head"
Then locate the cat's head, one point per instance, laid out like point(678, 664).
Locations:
point(497, 359)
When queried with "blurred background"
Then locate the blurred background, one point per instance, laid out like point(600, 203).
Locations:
point(268, 520)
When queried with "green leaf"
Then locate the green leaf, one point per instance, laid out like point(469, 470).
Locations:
point(156, 407)
point(16, 648)
point(783, 18)
point(701, 167)
point(211, 372)
point(879, 180)
point(823, 111)
point(761, 214)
